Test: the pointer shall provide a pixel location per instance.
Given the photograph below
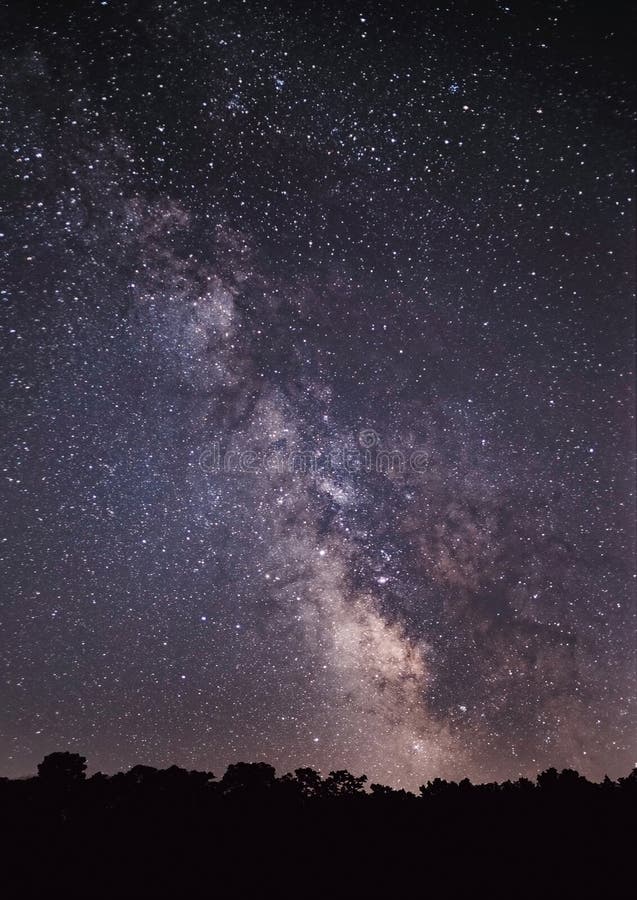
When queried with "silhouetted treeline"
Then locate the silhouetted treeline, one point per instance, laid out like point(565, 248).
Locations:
point(171, 832)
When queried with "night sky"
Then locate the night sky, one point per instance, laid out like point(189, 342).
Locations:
point(317, 389)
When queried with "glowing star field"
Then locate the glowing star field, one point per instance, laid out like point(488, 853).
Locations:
point(317, 387)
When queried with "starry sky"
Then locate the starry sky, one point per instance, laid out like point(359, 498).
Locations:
point(317, 388)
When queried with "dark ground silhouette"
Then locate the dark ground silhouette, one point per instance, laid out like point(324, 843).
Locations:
point(175, 833)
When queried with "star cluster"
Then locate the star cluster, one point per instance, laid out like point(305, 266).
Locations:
point(248, 249)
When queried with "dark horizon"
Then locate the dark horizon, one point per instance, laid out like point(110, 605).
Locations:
point(215, 778)
point(152, 833)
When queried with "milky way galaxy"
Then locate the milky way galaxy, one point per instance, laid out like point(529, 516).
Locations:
point(317, 387)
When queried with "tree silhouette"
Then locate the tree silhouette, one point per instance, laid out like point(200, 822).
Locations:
point(62, 768)
point(309, 782)
point(342, 783)
point(248, 778)
point(140, 774)
point(629, 783)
